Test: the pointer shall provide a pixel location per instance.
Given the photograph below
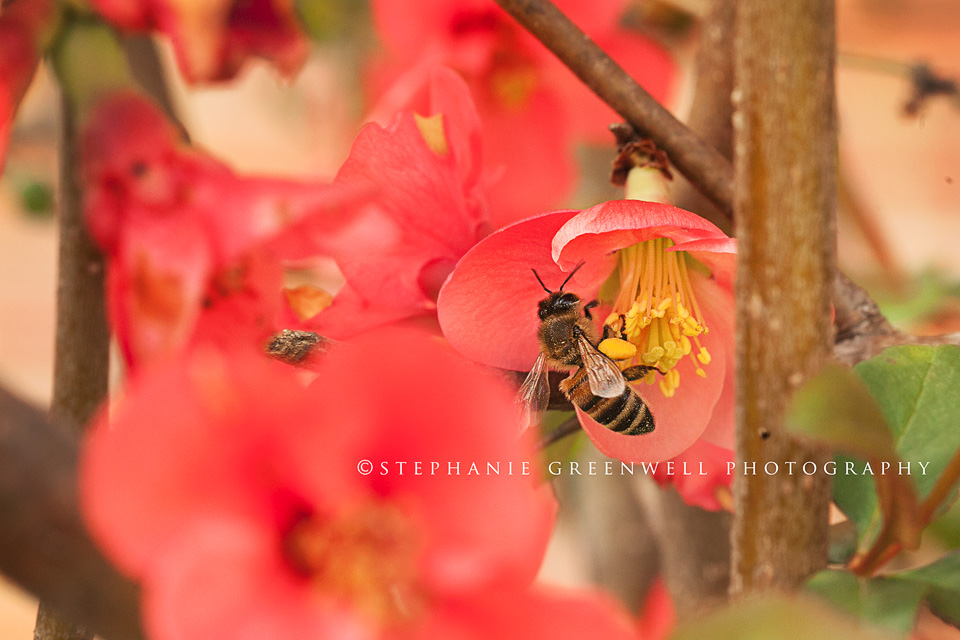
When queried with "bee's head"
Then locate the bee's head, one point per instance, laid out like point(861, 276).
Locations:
point(558, 302)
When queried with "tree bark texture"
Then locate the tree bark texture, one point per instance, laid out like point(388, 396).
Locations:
point(785, 149)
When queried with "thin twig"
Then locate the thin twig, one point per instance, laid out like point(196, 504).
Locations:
point(81, 367)
point(707, 169)
point(566, 428)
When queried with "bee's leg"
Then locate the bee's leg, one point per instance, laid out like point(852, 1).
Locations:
point(610, 332)
point(588, 306)
point(637, 372)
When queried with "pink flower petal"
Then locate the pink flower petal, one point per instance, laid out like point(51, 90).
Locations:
point(539, 613)
point(718, 303)
point(187, 439)
point(525, 148)
point(213, 38)
point(717, 254)
point(488, 306)
point(228, 579)
point(468, 424)
point(698, 473)
point(616, 224)
point(156, 286)
point(21, 26)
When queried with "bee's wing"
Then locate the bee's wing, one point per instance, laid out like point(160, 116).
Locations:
point(603, 375)
point(534, 394)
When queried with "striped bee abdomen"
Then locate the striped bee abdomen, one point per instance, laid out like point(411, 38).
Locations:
point(625, 413)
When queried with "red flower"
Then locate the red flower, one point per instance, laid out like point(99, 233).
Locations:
point(668, 276)
point(658, 616)
point(183, 233)
point(700, 475)
point(250, 507)
point(429, 210)
point(23, 28)
point(531, 106)
point(213, 38)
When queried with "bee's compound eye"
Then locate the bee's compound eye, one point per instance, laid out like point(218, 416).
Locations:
point(543, 312)
point(568, 300)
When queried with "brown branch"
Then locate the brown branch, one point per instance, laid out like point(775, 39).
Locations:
point(44, 546)
point(81, 367)
point(863, 331)
point(712, 111)
point(702, 164)
point(143, 56)
point(785, 157)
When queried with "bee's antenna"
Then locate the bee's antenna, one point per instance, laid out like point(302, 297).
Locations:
point(575, 269)
point(541, 281)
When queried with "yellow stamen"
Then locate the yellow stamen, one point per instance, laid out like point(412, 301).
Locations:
point(655, 309)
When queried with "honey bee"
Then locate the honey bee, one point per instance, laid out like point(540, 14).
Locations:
point(568, 339)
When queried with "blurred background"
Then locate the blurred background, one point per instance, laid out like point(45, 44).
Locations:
point(900, 175)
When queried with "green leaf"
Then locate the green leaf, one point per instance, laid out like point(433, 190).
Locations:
point(917, 388)
point(942, 583)
point(836, 408)
point(780, 617)
point(888, 603)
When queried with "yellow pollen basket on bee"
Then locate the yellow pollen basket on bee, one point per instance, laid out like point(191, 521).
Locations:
point(656, 311)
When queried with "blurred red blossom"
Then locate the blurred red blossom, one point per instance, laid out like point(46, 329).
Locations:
point(664, 278)
point(658, 615)
point(532, 107)
point(213, 38)
point(700, 475)
point(430, 208)
point(24, 26)
point(184, 235)
point(249, 506)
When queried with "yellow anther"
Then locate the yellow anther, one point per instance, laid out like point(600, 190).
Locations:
point(651, 357)
point(700, 372)
point(617, 349)
point(666, 390)
point(704, 356)
point(664, 305)
point(685, 345)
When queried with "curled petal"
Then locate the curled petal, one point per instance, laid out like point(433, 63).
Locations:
point(616, 224)
point(718, 254)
